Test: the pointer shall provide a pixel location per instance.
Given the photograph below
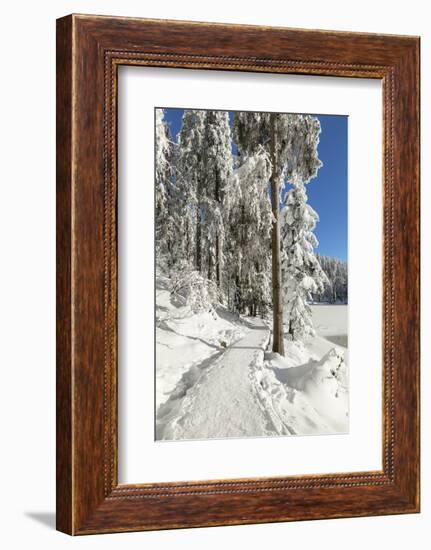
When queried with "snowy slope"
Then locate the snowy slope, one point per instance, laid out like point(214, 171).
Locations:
point(311, 397)
point(314, 376)
point(185, 342)
point(215, 379)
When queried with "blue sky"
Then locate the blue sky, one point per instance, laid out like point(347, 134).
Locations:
point(327, 193)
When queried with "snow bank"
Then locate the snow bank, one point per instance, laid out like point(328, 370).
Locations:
point(320, 389)
point(184, 341)
point(307, 390)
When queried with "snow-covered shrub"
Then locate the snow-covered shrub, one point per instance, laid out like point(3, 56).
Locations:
point(194, 290)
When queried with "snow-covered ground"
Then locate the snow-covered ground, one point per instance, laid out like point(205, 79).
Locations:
point(310, 383)
point(330, 322)
point(222, 402)
point(215, 377)
point(187, 343)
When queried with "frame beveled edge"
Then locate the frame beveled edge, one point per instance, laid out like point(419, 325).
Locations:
point(89, 499)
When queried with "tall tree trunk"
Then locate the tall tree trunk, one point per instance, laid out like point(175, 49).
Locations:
point(291, 332)
point(187, 241)
point(237, 297)
point(217, 243)
point(198, 241)
point(210, 267)
point(218, 261)
point(277, 305)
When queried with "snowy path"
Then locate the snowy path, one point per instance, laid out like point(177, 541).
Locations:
point(244, 392)
point(224, 402)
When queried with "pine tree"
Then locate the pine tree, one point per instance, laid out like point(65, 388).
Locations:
point(302, 273)
point(164, 193)
point(189, 181)
point(249, 220)
point(277, 162)
point(336, 290)
point(291, 141)
point(216, 173)
point(220, 228)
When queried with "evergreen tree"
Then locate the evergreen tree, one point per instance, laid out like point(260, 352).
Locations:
point(249, 221)
point(216, 173)
point(219, 228)
point(336, 290)
point(189, 181)
point(302, 273)
point(291, 141)
point(164, 193)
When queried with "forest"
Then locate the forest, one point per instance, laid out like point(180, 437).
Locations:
point(233, 225)
point(336, 289)
point(251, 323)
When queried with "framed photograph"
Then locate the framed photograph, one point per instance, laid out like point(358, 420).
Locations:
point(237, 274)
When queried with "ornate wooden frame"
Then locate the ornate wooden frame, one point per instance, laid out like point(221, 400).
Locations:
point(89, 51)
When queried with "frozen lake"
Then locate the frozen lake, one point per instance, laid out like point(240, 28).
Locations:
point(331, 323)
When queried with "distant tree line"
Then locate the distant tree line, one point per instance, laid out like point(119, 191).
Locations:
point(336, 289)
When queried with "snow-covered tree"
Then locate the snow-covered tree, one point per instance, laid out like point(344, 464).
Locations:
point(164, 193)
point(291, 141)
point(193, 289)
point(204, 167)
point(220, 227)
point(302, 273)
point(189, 183)
point(336, 290)
point(216, 174)
point(163, 161)
point(249, 221)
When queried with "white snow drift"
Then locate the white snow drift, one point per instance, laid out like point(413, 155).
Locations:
point(214, 378)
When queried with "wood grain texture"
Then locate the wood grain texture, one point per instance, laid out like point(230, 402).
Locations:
point(90, 49)
point(64, 497)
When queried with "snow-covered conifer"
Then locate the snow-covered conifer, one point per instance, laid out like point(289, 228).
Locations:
point(249, 221)
point(163, 161)
point(189, 183)
point(291, 141)
point(164, 193)
point(302, 273)
point(336, 290)
point(216, 173)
